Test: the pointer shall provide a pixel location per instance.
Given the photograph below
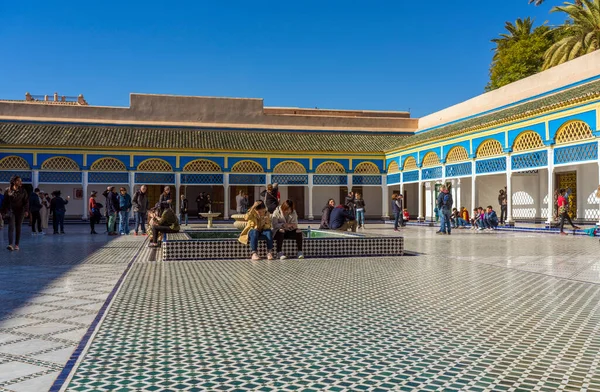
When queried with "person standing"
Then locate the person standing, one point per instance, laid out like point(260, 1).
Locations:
point(183, 210)
point(35, 206)
point(444, 205)
point(396, 210)
point(140, 209)
point(58, 209)
point(208, 206)
point(166, 200)
point(270, 195)
point(245, 203)
point(502, 200)
point(94, 212)
point(239, 199)
point(563, 210)
point(15, 205)
point(45, 211)
point(124, 208)
point(349, 201)
point(112, 207)
point(200, 203)
point(359, 204)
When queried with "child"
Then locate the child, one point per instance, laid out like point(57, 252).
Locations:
point(475, 219)
point(454, 217)
point(464, 216)
point(406, 216)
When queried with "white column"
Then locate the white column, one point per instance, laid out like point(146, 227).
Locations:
point(429, 189)
point(421, 217)
point(509, 193)
point(443, 174)
point(84, 183)
point(457, 202)
point(598, 224)
point(35, 179)
point(311, 215)
point(402, 188)
point(269, 177)
point(177, 192)
point(226, 196)
point(385, 206)
point(349, 183)
point(550, 185)
point(132, 183)
point(473, 188)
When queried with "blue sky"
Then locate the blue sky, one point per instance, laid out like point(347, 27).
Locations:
point(400, 55)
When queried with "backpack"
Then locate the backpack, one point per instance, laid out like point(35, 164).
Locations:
point(447, 200)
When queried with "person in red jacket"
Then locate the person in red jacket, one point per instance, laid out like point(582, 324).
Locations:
point(563, 210)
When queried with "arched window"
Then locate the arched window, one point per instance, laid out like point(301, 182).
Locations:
point(573, 131)
point(366, 168)
point(60, 164)
point(202, 166)
point(528, 140)
point(154, 165)
point(108, 165)
point(289, 167)
point(247, 167)
point(13, 162)
point(489, 148)
point(330, 167)
point(457, 154)
point(431, 159)
point(410, 164)
point(393, 168)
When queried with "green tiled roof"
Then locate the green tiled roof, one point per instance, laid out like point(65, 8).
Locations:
point(573, 95)
point(92, 136)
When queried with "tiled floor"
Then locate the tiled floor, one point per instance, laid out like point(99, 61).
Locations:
point(474, 311)
point(51, 291)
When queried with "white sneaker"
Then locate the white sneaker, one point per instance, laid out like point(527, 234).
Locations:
point(300, 255)
point(481, 228)
point(281, 256)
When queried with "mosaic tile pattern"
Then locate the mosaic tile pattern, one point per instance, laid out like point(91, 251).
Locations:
point(290, 179)
point(490, 165)
point(51, 290)
point(330, 179)
point(459, 169)
point(531, 159)
point(418, 323)
point(410, 176)
point(366, 180)
point(247, 179)
point(431, 173)
point(312, 247)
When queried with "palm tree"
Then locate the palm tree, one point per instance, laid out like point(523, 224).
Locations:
point(580, 34)
point(522, 29)
point(540, 2)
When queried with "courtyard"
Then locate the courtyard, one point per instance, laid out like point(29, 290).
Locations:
point(473, 311)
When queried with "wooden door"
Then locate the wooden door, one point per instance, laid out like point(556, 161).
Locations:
point(296, 194)
point(566, 181)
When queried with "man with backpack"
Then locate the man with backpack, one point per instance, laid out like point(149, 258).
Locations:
point(444, 204)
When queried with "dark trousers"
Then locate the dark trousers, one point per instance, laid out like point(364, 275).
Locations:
point(565, 216)
point(15, 222)
point(36, 218)
point(288, 234)
point(398, 219)
point(58, 220)
point(503, 213)
point(160, 229)
point(93, 220)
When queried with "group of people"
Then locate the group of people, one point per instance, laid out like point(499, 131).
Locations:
point(344, 217)
point(16, 204)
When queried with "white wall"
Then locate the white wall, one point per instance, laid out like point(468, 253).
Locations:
point(488, 188)
point(412, 201)
point(465, 194)
point(526, 191)
point(372, 196)
point(320, 196)
point(573, 71)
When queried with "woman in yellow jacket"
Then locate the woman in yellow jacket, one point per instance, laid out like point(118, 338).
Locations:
point(258, 227)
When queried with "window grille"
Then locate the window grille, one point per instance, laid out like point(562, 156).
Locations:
point(247, 167)
point(528, 140)
point(393, 168)
point(108, 165)
point(573, 131)
point(154, 165)
point(366, 168)
point(13, 163)
point(202, 166)
point(60, 164)
point(289, 167)
point(410, 164)
point(330, 168)
point(489, 148)
point(457, 154)
point(431, 159)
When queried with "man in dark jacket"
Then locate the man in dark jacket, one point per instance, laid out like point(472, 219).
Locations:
point(16, 205)
point(35, 205)
point(349, 201)
point(444, 205)
point(326, 214)
point(200, 204)
point(58, 209)
point(140, 209)
point(342, 219)
point(112, 208)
